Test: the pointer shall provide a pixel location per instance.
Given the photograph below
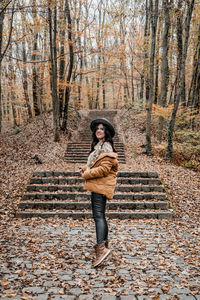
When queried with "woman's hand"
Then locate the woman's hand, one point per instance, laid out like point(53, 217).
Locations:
point(81, 171)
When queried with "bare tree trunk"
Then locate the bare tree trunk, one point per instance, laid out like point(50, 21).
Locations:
point(113, 92)
point(71, 62)
point(35, 86)
point(142, 86)
point(98, 82)
point(123, 64)
point(1, 42)
point(14, 114)
point(61, 91)
point(92, 93)
point(146, 55)
point(80, 57)
point(194, 91)
point(132, 83)
point(46, 56)
point(103, 77)
point(11, 85)
point(99, 46)
point(103, 84)
point(25, 81)
point(154, 17)
point(157, 65)
point(156, 81)
point(182, 55)
point(53, 55)
point(196, 86)
point(3, 51)
point(85, 61)
point(12, 96)
point(164, 67)
point(35, 92)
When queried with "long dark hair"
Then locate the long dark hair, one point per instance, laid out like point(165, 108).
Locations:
point(107, 138)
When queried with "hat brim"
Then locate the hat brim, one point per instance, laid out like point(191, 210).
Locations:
point(104, 122)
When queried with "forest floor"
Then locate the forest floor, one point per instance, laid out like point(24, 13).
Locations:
point(51, 259)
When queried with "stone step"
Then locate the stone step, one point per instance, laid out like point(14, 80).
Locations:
point(89, 141)
point(82, 161)
point(85, 155)
point(75, 180)
point(89, 138)
point(111, 205)
point(120, 174)
point(79, 188)
point(79, 158)
point(85, 158)
point(88, 145)
point(111, 215)
point(137, 174)
point(60, 193)
point(87, 151)
point(73, 161)
point(85, 196)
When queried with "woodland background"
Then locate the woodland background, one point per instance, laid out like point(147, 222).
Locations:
point(142, 56)
point(58, 59)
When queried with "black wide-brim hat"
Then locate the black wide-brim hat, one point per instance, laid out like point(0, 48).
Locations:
point(105, 122)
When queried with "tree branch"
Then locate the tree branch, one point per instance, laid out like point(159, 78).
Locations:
point(10, 33)
point(2, 11)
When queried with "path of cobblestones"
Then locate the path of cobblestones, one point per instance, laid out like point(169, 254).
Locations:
point(51, 259)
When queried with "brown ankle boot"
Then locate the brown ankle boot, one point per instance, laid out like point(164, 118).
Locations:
point(101, 253)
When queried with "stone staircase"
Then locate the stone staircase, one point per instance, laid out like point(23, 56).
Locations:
point(77, 151)
point(138, 195)
point(55, 193)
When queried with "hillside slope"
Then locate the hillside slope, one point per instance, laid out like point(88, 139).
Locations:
point(36, 138)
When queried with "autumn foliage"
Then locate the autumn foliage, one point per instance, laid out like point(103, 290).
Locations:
point(93, 54)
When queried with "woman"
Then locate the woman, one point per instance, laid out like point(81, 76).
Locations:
point(100, 178)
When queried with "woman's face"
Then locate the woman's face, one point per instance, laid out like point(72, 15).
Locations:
point(100, 134)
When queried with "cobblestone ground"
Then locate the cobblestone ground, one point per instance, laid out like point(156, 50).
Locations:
point(51, 259)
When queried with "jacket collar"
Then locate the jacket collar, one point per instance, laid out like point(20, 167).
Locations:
point(105, 154)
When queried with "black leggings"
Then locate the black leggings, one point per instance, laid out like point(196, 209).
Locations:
point(98, 210)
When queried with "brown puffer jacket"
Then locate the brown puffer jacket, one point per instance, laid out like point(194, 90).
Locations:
point(101, 177)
